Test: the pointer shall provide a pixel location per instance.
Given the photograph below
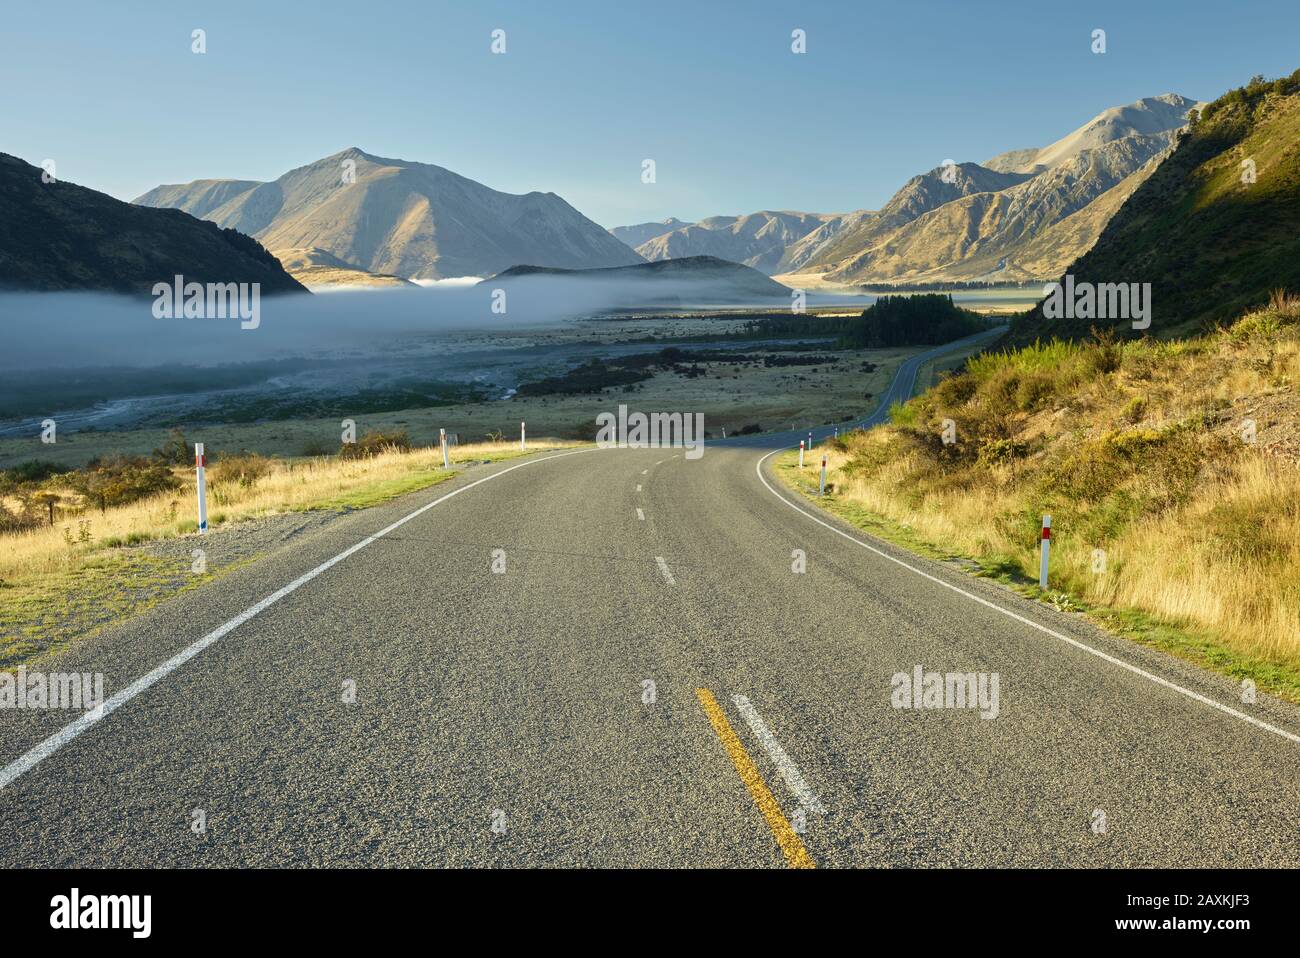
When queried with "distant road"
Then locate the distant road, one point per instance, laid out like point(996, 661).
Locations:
point(900, 389)
point(651, 681)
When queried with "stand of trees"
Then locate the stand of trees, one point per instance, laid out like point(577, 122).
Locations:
point(926, 320)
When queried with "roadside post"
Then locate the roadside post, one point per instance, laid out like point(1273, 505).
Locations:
point(823, 488)
point(800, 453)
point(523, 444)
point(442, 437)
point(200, 469)
point(1046, 550)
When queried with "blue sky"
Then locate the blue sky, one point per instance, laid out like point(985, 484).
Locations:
point(710, 90)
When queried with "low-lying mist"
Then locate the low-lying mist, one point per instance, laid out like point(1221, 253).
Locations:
point(60, 330)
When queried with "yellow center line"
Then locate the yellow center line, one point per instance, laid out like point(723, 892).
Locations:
point(791, 845)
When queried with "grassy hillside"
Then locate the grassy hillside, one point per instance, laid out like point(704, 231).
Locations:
point(60, 236)
point(1171, 471)
point(1210, 244)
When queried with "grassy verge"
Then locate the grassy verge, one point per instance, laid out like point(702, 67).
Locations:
point(1170, 471)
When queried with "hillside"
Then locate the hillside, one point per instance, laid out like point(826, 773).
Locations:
point(696, 279)
point(60, 236)
point(396, 217)
point(1191, 445)
point(319, 270)
point(1210, 244)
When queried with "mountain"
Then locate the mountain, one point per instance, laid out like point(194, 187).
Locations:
point(1003, 235)
point(845, 255)
point(692, 280)
point(1003, 224)
point(412, 220)
point(1210, 243)
point(760, 239)
point(1154, 114)
point(639, 233)
point(319, 270)
point(60, 236)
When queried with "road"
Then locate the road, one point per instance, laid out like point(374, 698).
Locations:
point(900, 389)
point(505, 718)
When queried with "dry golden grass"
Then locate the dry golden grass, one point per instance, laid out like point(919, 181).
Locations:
point(287, 485)
point(1161, 506)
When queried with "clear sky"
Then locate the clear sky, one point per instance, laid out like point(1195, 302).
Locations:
point(708, 89)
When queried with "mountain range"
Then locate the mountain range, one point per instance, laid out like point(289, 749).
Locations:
point(1020, 216)
point(400, 218)
point(60, 236)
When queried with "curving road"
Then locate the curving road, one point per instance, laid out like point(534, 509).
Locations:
point(505, 718)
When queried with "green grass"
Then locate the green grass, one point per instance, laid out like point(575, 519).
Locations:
point(378, 492)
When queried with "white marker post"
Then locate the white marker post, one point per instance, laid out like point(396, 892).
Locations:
point(823, 489)
point(200, 469)
point(1046, 549)
point(523, 444)
point(800, 453)
point(442, 436)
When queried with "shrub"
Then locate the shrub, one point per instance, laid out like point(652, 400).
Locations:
point(120, 480)
point(175, 451)
point(375, 442)
point(245, 468)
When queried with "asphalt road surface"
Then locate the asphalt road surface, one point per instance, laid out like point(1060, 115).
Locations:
point(507, 717)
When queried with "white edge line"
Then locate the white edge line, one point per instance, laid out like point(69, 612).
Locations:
point(1203, 699)
point(785, 765)
point(30, 759)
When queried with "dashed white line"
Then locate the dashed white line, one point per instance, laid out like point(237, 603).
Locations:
point(784, 764)
point(640, 515)
point(1083, 647)
point(638, 487)
point(663, 570)
point(645, 472)
point(33, 757)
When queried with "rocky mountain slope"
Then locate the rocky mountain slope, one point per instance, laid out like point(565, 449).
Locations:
point(60, 236)
point(412, 220)
point(760, 239)
point(639, 233)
